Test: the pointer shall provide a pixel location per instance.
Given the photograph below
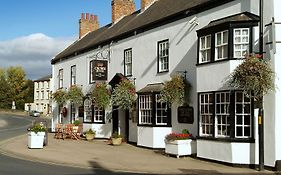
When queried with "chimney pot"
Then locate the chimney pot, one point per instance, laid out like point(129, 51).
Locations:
point(90, 24)
point(121, 8)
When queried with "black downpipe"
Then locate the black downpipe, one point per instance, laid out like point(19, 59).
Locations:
point(261, 116)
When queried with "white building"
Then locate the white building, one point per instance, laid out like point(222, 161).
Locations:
point(206, 38)
point(42, 95)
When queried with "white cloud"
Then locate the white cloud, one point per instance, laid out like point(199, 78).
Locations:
point(33, 52)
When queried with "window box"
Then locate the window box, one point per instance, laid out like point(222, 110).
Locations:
point(181, 147)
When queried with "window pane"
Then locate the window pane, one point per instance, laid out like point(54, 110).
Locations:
point(247, 131)
point(247, 120)
point(208, 41)
point(239, 120)
point(225, 37)
point(218, 38)
point(239, 97)
point(203, 43)
point(239, 131)
point(245, 31)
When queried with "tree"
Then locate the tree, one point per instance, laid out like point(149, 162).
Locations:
point(5, 101)
point(28, 90)
point(15, 87)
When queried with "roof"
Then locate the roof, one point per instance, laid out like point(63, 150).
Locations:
point(159, 13)
point(241, 17)
point(152, 88)
point(45, 78)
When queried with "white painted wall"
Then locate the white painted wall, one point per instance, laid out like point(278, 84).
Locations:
point(230, 152)
point(152, 137)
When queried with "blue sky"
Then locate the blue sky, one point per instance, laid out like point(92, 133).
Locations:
point(34, 31)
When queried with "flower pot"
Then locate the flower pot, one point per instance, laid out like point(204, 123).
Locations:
point(116, 141)
point(181, 147)
point(90, 137)
point(35, 140)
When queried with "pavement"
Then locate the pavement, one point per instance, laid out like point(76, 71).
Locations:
point(99, 154)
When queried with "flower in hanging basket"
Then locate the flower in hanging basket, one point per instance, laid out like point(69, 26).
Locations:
point(124, 95)
point(254, 76)
point(173, 90)
point(60, 96)
point(75, 95)
point(101, 95)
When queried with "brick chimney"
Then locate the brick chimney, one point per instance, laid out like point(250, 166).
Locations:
point(121, 8)
point(87, 23)
point(146, 3)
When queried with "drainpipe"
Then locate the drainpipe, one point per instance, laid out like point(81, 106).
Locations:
point(261, 117)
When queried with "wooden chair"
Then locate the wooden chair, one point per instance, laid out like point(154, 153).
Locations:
point(58, 131)
point(67, 131)
point(80, 131)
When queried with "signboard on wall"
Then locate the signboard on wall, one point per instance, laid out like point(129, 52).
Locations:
point(99, 70)
point(185, 114)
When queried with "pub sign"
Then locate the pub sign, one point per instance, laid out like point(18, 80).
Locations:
point(99, 70)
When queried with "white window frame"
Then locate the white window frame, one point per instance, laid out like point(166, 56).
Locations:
point(222, 45)
point(37, 95)
point(60, 78)
point(241, 42)
point(162, 112)
point(73, 75)
point(48, 84)
point(87, 111)
point(42, 95)
point(37, 85)
point(98, 115)
point(47, 95)
point(72, 112)
point(128, 62)
point(145, 109)
point(205, 49)
point(206, 114)
point(163, 56)
point(222, 114)
point(243, 103)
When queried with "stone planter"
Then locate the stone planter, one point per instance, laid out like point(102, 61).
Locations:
point(116, 141)
point(35, 140)
point(90, 137)
point(181, 147)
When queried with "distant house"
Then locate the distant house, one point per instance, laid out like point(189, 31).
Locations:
point(206, 38)
point(42, 95)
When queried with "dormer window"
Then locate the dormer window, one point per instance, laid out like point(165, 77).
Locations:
point(227, 38)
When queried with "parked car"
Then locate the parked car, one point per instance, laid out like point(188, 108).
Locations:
point(34, 113)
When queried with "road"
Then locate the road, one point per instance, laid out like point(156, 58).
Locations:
point(11, 126)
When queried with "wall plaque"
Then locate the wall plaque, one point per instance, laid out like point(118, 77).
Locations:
point(185, 114)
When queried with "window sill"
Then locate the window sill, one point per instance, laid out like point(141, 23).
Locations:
point(153, 125)
point(162, 72)
point(99, 122)
point(218, 61)
point(227, 139)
